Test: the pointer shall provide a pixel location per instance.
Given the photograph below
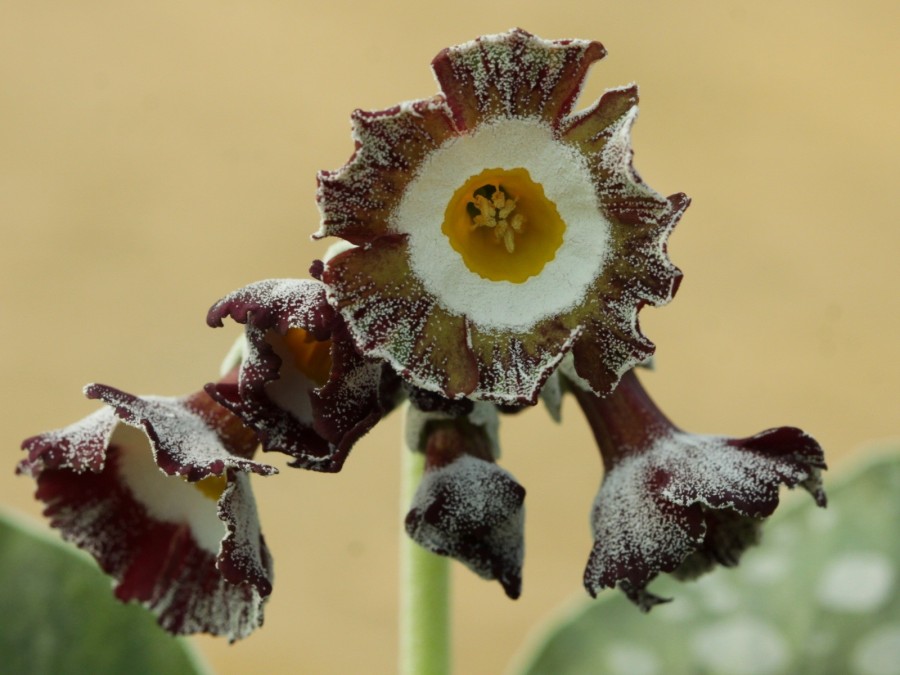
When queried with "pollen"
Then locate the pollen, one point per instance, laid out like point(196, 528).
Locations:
point(311, 357)
point(503, 225)
point(496, 213)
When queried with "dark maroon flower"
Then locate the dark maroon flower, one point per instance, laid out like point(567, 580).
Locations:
point(302, 386)
point(496, 229)
point(157, 490)
point(671, 501)
point(467, 507)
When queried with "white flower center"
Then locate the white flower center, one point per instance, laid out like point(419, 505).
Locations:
point(562, 172)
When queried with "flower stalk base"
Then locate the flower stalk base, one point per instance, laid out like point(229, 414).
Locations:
point(424, 590)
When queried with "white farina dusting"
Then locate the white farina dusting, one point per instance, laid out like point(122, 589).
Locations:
point(564, 175)
point(476, 494)
point(879, 652)
point(632, 659)
point(742, 645)
point(857, 582)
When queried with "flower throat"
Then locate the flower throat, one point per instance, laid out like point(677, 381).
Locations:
point(503, 225)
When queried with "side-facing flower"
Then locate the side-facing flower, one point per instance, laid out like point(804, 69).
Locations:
point(157, 491)
point(302, 386)
point(496, 230)
point(467, 507)
point(671, 501)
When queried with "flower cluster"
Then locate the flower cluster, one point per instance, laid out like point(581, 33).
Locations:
point(497, 246)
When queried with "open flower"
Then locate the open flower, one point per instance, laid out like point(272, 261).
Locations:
point(671, 501)
point(157, 490)
point(302, 386)
point(495, 230)
point(467, 507)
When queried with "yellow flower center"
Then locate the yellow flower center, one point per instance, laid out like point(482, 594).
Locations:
point(503, 225)
point(212, 487)
point(311, 357)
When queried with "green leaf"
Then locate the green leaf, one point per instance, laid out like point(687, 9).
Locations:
point(821, 594)
point(58, 615)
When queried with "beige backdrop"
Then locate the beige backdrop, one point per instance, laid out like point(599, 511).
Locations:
point(154, 156)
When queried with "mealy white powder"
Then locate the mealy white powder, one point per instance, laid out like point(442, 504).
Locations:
point(857, 582)
point(632, 659)
point(879, 652)
point(700, 469)
point(742, 645)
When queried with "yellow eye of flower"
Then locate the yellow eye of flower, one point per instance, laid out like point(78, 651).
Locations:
point(503, 225)
point(311, 357)
point(212, 487)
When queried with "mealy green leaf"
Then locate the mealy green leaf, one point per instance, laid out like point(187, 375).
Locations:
point(58, 615)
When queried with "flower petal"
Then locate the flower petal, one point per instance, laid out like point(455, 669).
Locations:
point(467, 507)
point(79, 447)
point(742, 475)
point(728, 535)
point(356, 202)
point(514, 74)
point(471, 510)
point(391, 317)
point(438, 312)
point(277, 303)
point(194, 558)
point(612, 343)
point(187, 435)
point(636, 533)
point(676, 502)
point(316, 423)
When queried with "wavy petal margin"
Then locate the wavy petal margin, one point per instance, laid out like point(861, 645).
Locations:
point(676, 502)
point(392, 315)
point(125, 485)
point(466, 507)
point(316, 424)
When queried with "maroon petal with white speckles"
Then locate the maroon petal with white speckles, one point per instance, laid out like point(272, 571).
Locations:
point(408, 293)
point(157, 491)
point(188, 435)
point(471, 510)
point(392, 143)
point(311, 396)
point(467, 507)
point(514, 75)
point(671, 501)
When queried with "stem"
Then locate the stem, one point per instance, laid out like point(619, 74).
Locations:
point(424, 590)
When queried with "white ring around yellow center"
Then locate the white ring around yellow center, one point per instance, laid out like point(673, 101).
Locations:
point(562, 172)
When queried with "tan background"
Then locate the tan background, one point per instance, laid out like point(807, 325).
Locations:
point(154, 156)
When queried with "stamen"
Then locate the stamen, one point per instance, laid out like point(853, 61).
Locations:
point(502, 224)
point(493, 208)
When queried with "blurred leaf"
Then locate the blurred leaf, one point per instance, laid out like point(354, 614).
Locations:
point(58, 615)
point(821, 594)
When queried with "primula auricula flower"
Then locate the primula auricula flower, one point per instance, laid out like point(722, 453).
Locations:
point(496, 230)
point(302, 386)
point(671, 501)
point(497, 247)
point(157, 490)
point(467, 507)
